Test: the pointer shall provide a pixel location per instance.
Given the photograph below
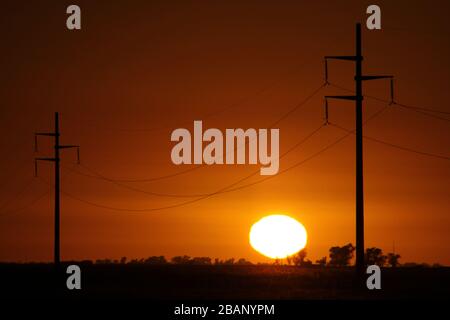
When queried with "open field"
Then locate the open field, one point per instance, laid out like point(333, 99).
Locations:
point(176, 282)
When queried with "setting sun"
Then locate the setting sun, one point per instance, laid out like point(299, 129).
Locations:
point(278, 236)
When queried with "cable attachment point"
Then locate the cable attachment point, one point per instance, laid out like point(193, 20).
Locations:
point(392, 92)
point(326, 112)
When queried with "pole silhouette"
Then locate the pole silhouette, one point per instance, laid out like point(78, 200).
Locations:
point(358, 98)
point(359, 156)
point(57, 183)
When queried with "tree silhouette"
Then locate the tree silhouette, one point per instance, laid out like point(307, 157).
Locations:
point(322, 262)
point(375, 256)
point(299, 259)
point(155, 260)
point(341, 256)
point(243, 262)
point(392, 259)
point(201, 261)
point(229, 261)
point(103, 261)
point(181, 259)
point(222, 262)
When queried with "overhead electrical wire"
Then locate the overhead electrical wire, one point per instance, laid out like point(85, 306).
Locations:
point(231, 106)
point(292, 148)
point(234, 186)
point(376, 114)
point(14, 172)
point(228, 188)
point(98, 175)
point(28, 205)
point(424, 153)
point(16, 195)
point(420, 110)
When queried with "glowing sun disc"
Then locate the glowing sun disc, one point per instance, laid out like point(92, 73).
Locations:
point(278, 236)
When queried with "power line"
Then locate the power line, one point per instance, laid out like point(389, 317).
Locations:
point(17, 194)
point(297, 106)
point(9, 213)
point(284, 116)
point(329, 146)
point(424, 113)
point(395, 145)
point(420, 110)
point(222, 190)
point(172, 175)
point(242, 100)
point(227, 188)
point(295, 146)
point(14, 172)
point(97, 175)
point(423, 109)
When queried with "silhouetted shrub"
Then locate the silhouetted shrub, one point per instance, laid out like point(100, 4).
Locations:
point(243, 262)
point(103, 261)
point(322, 262)
point(299, 259)
point(181, 260)
point(200, 261)
point(156, 260)
point(392, 259)
point(375, 256)
point(341, 256)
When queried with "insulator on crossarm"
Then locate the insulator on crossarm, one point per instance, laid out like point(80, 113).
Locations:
point(326, 112)
point(392, 92)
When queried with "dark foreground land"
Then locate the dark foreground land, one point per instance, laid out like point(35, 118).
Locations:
point(220, 282)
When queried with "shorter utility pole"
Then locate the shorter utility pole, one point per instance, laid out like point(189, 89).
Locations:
point(56, 160)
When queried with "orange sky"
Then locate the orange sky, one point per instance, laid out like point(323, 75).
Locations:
point(138, 70)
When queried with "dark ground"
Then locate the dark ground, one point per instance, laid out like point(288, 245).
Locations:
point(178, 282)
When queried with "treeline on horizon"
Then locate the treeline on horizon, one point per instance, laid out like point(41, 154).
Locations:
point(338, 257)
